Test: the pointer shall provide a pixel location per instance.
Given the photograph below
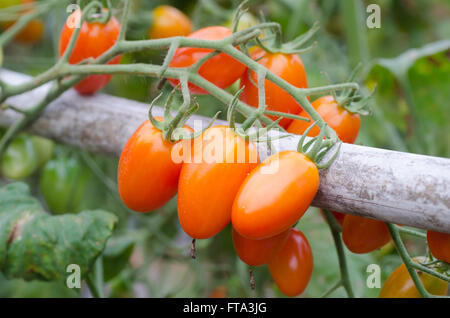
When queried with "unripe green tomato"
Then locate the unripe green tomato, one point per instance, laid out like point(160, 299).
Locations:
point(246, 21)
point(57, 183)
point(19, 160)
point(44, 149)
point(68, 186)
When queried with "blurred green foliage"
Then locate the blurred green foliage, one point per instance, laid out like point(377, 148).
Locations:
point(154, 260)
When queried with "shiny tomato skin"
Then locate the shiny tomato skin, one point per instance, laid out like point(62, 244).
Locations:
point(275, 195)
point(345, 124)
point(439, 244)
point(222, 70)
point(208, 185)
point(400, 284)
point(168, 22)
point(292, 266)
point(287, 66)
point(94, 39)
point(364, 235)
point(147, 174)
point(258, 252)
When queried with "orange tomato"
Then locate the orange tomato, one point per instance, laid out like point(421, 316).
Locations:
point(292, 266)
point(208, 184)
point(147, 174)
point(363, 235)
point(287, 66)
point(439, 244)
point(345, 124)
point(32, 32)
point(222, 70)
point(258, 252)
point(400, 284)
point(275, 195)
point(168, 22)
point(94, 39)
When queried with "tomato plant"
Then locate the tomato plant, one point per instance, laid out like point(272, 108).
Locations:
point(258, 252)
point(287, 66)
point(221, 166)
point(364, 235)
point(213, 69)
point(147, 174)
point(439, 244)
point(292, 266)
point(275, 195)
point(168, 22)
point(400, 284)
point(94, 39)
point(345, 123)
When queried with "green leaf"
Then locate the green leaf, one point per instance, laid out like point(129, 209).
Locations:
point(117, 253)
point(412, 96)
point(36, 245)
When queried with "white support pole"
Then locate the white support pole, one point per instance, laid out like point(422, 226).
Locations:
point(392, 186)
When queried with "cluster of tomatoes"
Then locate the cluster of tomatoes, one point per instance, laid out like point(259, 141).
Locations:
point(262, 207)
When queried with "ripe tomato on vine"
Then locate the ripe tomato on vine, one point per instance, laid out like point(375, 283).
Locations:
point(363, 235)
point(94, 39)
point(439, 244)
point(222, 70)
point(258, 252)
point(167, 22)
point(147, 173)
point(275, 195)
point(287, 66)
point(345, 123)
point(292, 266)
point(220, 162)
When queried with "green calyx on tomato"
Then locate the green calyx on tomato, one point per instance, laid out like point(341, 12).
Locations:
point(172, 128)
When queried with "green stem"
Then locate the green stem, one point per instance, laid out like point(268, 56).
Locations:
point(411, 232)
point(409, 263)
point(99, 276)
point(332, 289)
point(430, 271)
point(355, 30)
point(343, 267)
